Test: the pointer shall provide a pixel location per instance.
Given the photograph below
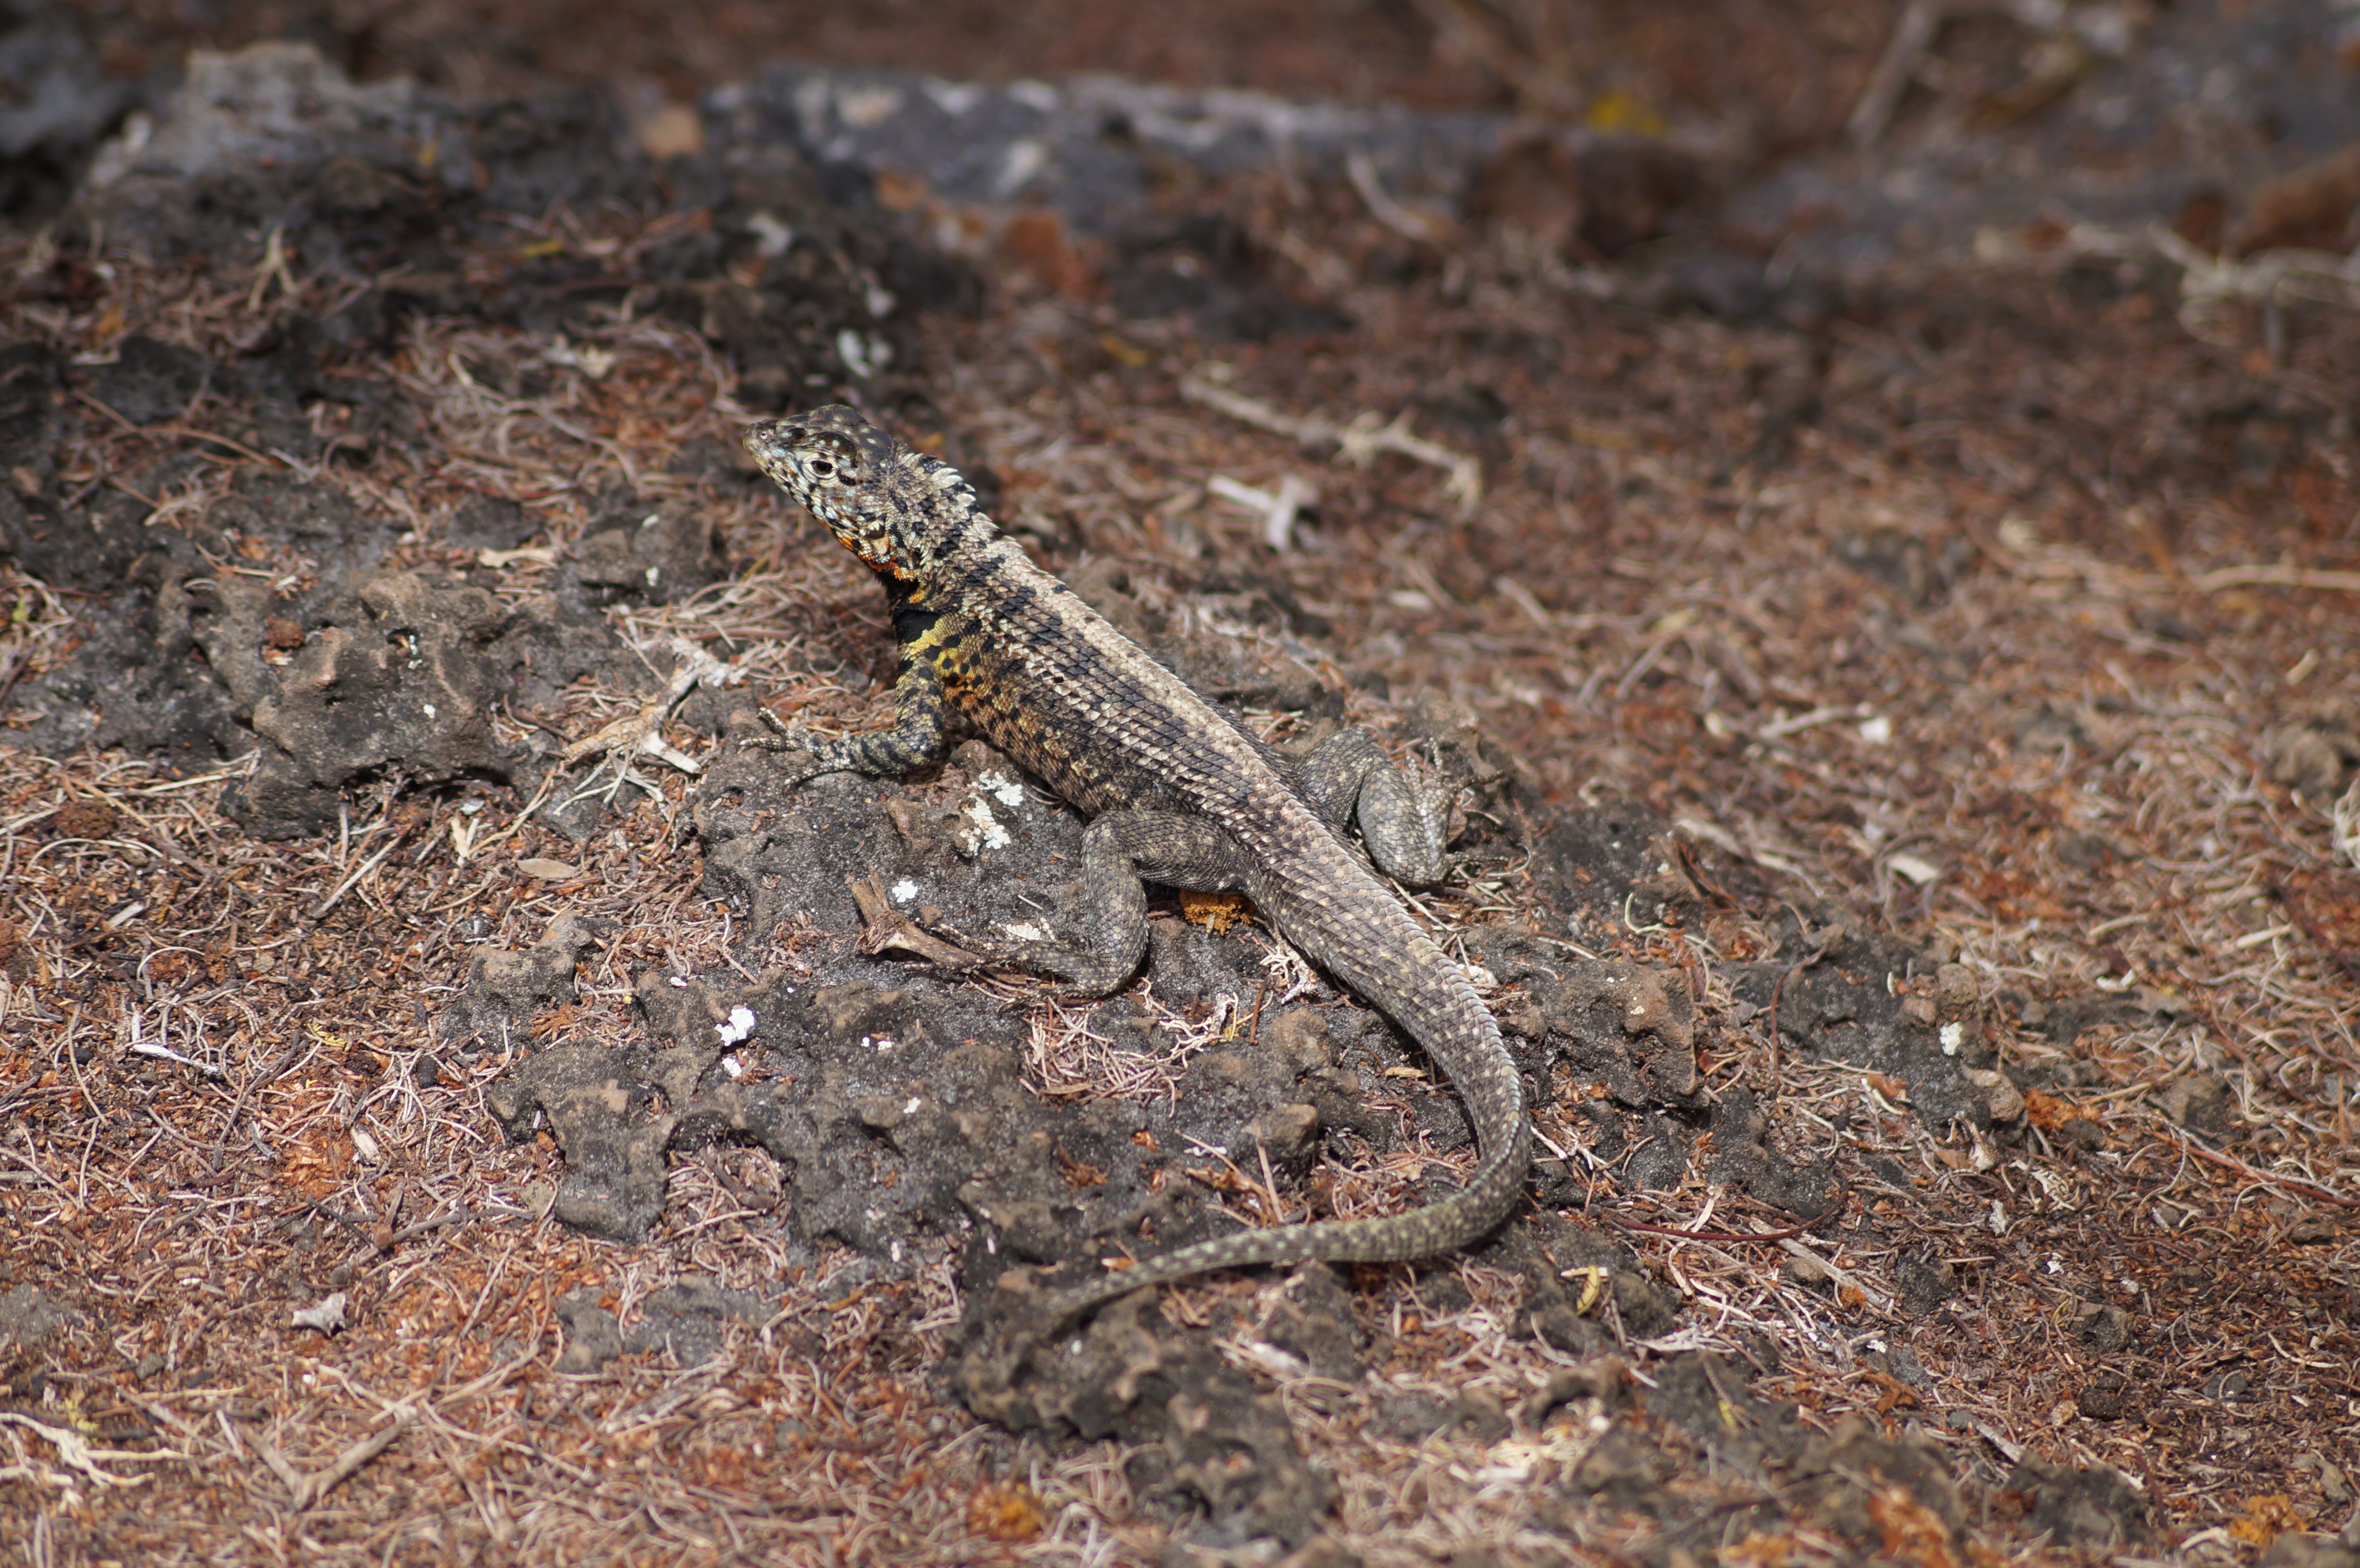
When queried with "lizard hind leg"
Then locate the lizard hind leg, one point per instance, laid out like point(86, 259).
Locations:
point(1348, 776)
point(1121, 851)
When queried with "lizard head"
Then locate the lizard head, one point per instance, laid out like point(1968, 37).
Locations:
point(831, 460)
point(891, 505)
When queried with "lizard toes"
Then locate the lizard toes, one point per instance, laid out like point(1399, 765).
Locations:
point(1081, 976)
point(793, 773)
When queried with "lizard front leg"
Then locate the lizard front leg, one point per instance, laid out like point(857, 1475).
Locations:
point(919, 734)
point(1349, 777)
point(1121, 851)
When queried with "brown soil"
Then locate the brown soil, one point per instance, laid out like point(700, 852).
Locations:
point(2001, 615)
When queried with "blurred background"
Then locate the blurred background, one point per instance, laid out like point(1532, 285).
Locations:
point(1835, 124)
point(1784, 60)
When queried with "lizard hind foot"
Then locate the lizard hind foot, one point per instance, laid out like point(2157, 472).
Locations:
point(1081, 975)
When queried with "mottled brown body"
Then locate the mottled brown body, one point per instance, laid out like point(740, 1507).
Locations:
point(1180, 793)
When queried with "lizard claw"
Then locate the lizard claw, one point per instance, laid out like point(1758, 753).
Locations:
point(783, 737)
point(787, 740)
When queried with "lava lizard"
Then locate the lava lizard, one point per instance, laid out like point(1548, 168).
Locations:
point(1179, 793)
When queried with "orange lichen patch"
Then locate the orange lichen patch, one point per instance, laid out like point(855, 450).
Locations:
point(1215, 911)
point(2050, 1113)
point(1006, 1511)
point(2266, 1517)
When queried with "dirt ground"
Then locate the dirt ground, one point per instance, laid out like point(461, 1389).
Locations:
point(1902, 685)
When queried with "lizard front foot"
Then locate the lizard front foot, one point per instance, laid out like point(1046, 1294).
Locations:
point(787, 740)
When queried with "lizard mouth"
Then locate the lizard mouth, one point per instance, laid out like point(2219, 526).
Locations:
point(766, 442)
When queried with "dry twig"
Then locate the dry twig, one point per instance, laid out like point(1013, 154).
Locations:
point(1356, 443)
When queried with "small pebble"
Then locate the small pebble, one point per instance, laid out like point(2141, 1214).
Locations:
point(2107, 1395)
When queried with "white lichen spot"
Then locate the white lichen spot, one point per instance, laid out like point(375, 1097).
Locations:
point(1023, 160)
point(1877, 730)
point(327, 1315)
point(987, 833)
point(865, 105)
point(735, 1068)
point(911, 1108)
point(1009, 791)
point(854, 351)
point(1954, 1036)
point(904, 891)
point(876, 1043)
point(428, 708)
point(1025, 931)
point(1916, 870)
point(771, 237)
point(738, 1027)
point(955, 98)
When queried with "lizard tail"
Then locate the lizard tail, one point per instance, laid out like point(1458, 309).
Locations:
point(1464, 1217)
point(1396, 966)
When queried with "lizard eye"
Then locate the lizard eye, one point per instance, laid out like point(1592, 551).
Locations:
point(822, 468)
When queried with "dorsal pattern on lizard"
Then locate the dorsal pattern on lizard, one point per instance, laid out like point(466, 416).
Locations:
point(1180, 793)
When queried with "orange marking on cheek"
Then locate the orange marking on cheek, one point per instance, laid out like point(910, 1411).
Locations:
point(884, 561)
